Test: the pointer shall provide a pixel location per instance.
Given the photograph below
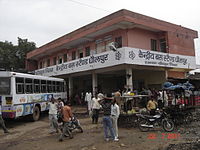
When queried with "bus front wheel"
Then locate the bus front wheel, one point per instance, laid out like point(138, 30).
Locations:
point(36, 113)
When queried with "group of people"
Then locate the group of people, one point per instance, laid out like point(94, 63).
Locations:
point(59, 114)
point(111, 113)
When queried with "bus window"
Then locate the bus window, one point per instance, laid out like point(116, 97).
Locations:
point(4, 85)
point(62, 86)
point(28, 85)
point(36, 86)
point(54, 86)
point(20, 85)
point(49, 86)
point(43, 86)
point(58, 86)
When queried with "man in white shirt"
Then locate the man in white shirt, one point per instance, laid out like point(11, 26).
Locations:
point(2, 124)
point(95, 109)
point(53, 110)
point(163, 97)
point(114, 116)
point(88, 99)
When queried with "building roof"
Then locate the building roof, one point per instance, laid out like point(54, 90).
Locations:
point(121, 19)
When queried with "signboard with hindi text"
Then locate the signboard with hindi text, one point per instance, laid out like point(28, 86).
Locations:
point(125, 55)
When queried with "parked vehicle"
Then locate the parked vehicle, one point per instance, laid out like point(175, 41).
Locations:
point(25, 94)
point(73, 125)
point(146, 122)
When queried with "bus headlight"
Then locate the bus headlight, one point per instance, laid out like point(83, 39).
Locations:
point(8, 100)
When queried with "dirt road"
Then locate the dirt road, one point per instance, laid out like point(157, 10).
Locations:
point(26, 135)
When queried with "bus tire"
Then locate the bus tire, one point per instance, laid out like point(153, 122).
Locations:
point(36, 113)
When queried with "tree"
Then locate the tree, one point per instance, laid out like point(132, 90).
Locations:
point(13, 57)
point(23, 48)
point(7, 50)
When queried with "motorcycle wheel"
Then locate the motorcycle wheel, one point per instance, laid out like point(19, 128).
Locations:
point(168, 125)
point(188, 118)
point(80, 129)
point(143, 122)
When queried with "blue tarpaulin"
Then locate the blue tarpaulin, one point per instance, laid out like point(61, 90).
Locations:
point(171, 86)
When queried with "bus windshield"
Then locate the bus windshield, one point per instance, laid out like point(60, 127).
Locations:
point(4, 85)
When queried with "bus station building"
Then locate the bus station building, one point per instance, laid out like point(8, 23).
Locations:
point(148, 52)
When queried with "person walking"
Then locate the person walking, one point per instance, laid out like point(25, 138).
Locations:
point(114, 116)
point(107, 122)
point(2, 124)
point(95, 109)
point(67, 116)
point(53, 110)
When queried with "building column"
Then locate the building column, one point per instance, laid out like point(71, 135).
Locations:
point(94, 83)
point(70, 86)
point(129, 78)
point(166, 74)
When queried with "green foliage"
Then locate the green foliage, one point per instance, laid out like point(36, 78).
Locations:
point(12, 57)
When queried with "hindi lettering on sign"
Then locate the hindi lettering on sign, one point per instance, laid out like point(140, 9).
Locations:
point(101, 59)
point(172, 59)
point(71, 65)
point(159, 57)
point(147, 55)
point(61, 67)
point(82, 62)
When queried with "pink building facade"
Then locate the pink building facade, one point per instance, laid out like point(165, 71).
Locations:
point(149, 52)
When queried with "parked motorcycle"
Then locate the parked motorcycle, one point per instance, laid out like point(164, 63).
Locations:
point(145, 122)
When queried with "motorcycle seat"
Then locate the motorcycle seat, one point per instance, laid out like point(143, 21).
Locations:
point(151, 117)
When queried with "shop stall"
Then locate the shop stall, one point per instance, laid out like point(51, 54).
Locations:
point(130, 105)
point(181, 102)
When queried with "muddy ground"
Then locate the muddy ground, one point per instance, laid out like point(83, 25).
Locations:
point(26, 135)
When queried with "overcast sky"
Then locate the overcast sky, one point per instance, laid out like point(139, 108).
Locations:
point(42, 21)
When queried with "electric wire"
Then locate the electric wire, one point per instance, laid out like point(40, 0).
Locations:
point(84, 4)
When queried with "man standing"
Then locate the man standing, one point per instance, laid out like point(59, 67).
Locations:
point(117, 97)
point(114, 116)
point(53, 110)
point(107, 122)
point(67, 115)
point(88, 99)
point(2, 121)
point(95, 109)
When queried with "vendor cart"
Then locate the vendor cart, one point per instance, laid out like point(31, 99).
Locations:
point(129, 107)
point(181, 103)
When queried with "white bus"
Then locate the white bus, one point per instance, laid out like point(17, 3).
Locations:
point(25, 94)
